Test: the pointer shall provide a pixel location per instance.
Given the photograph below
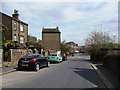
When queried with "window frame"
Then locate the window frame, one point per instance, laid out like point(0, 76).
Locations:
point(14, 37)
point(23, 40)
point(15, 26)
point(21, 27)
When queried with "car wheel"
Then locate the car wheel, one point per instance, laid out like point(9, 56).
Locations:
point(18, 68)
point(48, 64)
point(37, 68)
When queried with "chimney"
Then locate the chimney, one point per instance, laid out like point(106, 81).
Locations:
point(15, 15)
point(57, 28)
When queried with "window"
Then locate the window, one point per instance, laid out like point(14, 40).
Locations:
point(14, 37)
point(21, 39)
point(15, 26)
point(53, 54)
point(32, 56)
point(41, 55)
point(21, 27)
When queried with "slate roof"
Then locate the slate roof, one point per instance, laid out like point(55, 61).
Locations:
point(50, 30)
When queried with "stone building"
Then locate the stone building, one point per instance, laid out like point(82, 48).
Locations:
point(17, 30)
point(51, 38)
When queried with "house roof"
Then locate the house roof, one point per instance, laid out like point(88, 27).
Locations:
point(50, 30)
point(12, 18)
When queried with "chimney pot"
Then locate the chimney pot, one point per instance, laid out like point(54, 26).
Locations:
point(15, 15)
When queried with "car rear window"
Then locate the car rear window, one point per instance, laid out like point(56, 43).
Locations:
point(53, 54)
point(32, 56)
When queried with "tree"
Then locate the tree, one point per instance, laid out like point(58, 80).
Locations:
point(39, 44)
point(3, 28)
point(32, 41)
point(65, 48)
point(98, 40)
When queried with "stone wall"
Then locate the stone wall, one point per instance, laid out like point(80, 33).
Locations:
point(14, 56)
point(51, 41)
point(112, 60)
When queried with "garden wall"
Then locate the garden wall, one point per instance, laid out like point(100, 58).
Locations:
point(13, 56)
point(112, 60)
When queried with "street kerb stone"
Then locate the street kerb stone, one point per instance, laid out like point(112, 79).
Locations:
point(10, 71)
point(102, 77)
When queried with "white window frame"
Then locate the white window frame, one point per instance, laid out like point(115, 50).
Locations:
point(15, 26)
point(22, 27)
point(22, 39)
point(14, 37)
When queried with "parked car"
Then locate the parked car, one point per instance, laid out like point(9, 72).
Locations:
point(64, 56)
point(54, 57)
point(33, 61)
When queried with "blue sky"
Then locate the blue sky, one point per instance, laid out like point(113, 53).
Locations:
point(74, 19)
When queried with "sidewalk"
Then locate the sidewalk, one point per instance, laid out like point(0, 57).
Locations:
point(5, 70)
point(110, 77)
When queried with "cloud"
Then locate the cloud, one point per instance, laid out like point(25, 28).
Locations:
point(75, 20)
point(60, 0)
point(72, 14)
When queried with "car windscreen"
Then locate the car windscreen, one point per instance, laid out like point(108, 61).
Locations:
point(53, 54)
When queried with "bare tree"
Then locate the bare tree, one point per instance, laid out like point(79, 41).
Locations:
point(99, 39)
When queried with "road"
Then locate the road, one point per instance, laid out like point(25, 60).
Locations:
point(76, 72)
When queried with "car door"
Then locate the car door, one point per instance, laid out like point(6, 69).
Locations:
point(44, 60)
point(41, 60)
point(59, 57)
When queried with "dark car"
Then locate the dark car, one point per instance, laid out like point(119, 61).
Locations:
point(33, 61)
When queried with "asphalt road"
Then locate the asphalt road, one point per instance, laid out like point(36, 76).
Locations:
point(76, 72)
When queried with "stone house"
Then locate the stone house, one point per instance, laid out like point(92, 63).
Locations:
point(51, 38)
point(17, 30)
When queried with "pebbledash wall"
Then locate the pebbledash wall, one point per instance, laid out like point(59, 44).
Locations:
point(14, 56)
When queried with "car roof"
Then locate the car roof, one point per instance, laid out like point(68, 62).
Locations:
point(34, 54)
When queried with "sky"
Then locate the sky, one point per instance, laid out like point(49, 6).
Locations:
point(75, 19)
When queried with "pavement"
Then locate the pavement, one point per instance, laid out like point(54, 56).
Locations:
point(6, 70)
point(109, 78)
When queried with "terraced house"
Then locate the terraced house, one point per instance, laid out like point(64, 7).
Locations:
point(17, 30)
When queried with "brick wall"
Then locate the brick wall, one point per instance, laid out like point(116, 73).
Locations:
point(51, 41)
point(7, 22)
